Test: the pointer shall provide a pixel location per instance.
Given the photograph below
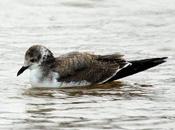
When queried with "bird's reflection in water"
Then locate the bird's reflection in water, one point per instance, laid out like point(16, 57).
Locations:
point(113, 88)
point(72, 91)
point(49, 108)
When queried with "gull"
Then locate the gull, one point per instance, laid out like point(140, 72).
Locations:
point(79, 68)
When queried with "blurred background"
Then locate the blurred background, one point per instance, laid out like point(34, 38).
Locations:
point(139, 29)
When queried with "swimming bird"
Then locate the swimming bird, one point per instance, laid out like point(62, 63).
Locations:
point(79, 68)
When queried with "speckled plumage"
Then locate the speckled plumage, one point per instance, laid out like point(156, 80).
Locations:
point(79, 68)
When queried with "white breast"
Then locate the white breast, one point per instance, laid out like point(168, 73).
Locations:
point(37, 80)
point(51, 81)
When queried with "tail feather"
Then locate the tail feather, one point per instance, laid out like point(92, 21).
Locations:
point(138, 66)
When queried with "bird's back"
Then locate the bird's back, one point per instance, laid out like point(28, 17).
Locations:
point(88, 67)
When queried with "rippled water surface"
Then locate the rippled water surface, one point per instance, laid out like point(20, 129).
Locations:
point(137, 28)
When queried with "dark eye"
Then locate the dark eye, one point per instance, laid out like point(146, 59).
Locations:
point(32, 60)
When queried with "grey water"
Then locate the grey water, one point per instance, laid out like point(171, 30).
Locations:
point(138, 29)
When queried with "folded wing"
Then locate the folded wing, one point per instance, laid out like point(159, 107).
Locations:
point(77, 67)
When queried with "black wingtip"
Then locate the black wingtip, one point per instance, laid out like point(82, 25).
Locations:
point(164, 58)
point(138, 66)
point(158, 60)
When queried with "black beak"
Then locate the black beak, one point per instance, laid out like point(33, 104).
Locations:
point(22, 70)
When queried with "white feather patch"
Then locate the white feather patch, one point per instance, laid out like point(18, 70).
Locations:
point(115, 73)
point(51, 80)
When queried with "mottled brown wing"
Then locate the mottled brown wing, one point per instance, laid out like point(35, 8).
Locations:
point(88, 67)
point(70, 63)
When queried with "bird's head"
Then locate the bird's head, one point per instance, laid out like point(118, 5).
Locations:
point(36, 56)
